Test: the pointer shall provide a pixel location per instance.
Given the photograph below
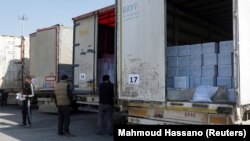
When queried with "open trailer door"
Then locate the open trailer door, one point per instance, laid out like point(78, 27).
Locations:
point(141, 49)
point(242, 26)
point(84, 52)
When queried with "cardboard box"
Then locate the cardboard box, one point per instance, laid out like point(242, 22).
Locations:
point(172, 51)
point(211, 81)
point(210, 48)
point(225, 70)
point(195, 72)
point(172, 72)
point(170, 82)
point(194, 82)
point(195, 60)
point(183, 50)
point(225, 82)
point(210, 59)
point(183, 61)
point(195, 49)
point(183, 71)
point(226, 47)
point(209, 71)
point(181, 82)
point(225, 59)
point(172, 61)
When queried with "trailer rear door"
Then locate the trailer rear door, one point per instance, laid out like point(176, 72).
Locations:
point(243, 32)
point(141, 45)
point(84, 54)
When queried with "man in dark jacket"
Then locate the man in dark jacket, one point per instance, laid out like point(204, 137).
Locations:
point(63, 100)
point(106, 106)
point(28, 93)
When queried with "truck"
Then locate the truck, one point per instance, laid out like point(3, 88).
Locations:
point(50, 58)
point(14, 64)
point(168, 47)
point(93, 54)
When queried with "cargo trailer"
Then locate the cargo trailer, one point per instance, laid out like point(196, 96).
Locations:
point(93, 54)
point(14, 64)
point(50, 58)
point(168, 48)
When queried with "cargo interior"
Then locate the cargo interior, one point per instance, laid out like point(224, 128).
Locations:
point(196, 53)
point(106, 40)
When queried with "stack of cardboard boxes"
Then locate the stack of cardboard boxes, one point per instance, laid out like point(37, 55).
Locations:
point(190, 66)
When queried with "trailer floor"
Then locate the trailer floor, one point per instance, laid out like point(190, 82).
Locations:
point(44, 126)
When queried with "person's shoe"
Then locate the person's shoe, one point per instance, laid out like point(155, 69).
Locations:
point(99, 133)
point(69, 135)
point(27, 126)
point(60, 134)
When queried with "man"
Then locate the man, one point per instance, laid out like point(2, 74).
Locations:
point(28, 93)
point(63, 101)
point(106, 106)
point(4, 97)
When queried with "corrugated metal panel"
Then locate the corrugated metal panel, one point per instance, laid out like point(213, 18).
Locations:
point(141, 44)
point(244, 50)
point(84, 54)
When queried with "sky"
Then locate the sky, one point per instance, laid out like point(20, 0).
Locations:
point(43, 13)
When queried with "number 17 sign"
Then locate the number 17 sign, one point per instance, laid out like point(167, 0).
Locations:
point(134, 79)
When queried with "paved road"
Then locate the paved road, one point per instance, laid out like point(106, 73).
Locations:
point(44, 127)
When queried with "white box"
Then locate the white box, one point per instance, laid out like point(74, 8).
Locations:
point(209, 71)
point(172, 51)
point(210, 48)
point(183, 61)
point(210, 59)
point(211, 81)
point(183, 50)
point(181, 82)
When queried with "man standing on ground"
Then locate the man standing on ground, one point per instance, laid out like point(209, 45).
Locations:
point(4, 98)
point(28, 94)
point(106, 106)
point(63, 101)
